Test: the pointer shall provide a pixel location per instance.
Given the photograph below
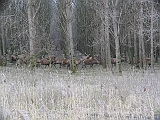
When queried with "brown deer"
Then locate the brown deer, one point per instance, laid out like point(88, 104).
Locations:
point(146, 61)
point(19, 60)
point(113, 60)
point(87, 56)
point(66, 62)
point(14, 58)
point(90, 62)
point(78, 62)
point(52, 58)
point(57, 61)
point(22, 59)
point(44, 62)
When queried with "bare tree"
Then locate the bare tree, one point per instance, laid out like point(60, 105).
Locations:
point(151, 29)
point(153, 15)
point(115, 28)
point(0, 57)
point(108, 54)
point(32, 27)
point(135, 35)
point(69, 37)
point(3, 35)
point(141, 42)
point(105, 42)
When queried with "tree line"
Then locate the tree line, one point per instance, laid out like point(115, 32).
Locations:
point(108, 28)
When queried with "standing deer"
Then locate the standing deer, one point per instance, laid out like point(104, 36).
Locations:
point(44, 62)
point(146, 61)
point(113, 60)
point(66, 62)
point(90, 62)
point(57, 61)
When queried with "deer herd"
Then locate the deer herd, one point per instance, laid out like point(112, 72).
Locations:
point(86, 60)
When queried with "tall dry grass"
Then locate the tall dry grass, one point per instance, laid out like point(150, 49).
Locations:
point(90, 94)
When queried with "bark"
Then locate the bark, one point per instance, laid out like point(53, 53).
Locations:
point(106, 33)
point(115, 26)
point(129, 47)
point(3, 37)
point(69, 35)
point(152, 53)
point(2, 45)
point(32, 27)
point(103, 54)
point(135, 40)
point(141, 42)
point(0, 56)
point(102, 36)
point(135, 49)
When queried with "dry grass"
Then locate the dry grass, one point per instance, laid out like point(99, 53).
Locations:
point(90, 94)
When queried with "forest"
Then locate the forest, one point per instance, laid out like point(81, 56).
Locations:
point(80, 60)
point(108, 29)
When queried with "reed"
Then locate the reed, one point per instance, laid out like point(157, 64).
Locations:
point(90, 94)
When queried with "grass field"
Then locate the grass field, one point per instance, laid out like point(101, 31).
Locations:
point(89, 94)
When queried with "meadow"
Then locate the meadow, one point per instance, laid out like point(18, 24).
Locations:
point(89, 94)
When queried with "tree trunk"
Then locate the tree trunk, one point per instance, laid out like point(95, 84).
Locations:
point(69, 35)
point(102, 37)
point(152, 53)
point(135, 41)
point(106, 36)
point(103, 54)
point(32, 27)
point(3, 38)
point(0, 56)
point(115, 26)
point(141, 42)
point(135, 49)
point(129, 48)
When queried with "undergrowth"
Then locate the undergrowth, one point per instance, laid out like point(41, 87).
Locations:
point(89, 94)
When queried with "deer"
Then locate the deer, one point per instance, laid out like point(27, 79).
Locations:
point(52, 58)
point(57, 61)
point(113, 60)
point(90, 61)
point(19, 60)
point(66, 62)
point(87, 56)
point(78, 62)
point(14, 58)
point(146, 61)
point(44, 62)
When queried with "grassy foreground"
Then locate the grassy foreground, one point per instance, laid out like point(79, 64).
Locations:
point(90, 94)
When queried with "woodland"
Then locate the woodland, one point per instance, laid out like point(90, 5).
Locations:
point(111, 49)
point(116, 29)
